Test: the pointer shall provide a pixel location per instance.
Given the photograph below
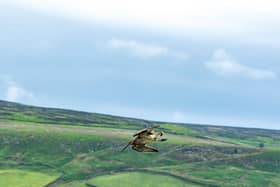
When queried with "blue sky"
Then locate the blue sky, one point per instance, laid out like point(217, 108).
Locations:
point(182, 61)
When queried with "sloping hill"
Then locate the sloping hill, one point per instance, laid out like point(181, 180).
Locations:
point(83, 149)
point(20, 112)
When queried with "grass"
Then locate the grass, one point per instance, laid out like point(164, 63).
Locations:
point(177, 129)
point(138, 179)
point(261, 169)
point(85, 148)
point(23, 178)
point(73, 184)
point(79, 153)
point(83, 152)
point(227, 175)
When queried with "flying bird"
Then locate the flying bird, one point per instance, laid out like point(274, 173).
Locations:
point(144, 137)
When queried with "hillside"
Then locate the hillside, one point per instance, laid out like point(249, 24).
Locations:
point(57, 147)
point(19, 112)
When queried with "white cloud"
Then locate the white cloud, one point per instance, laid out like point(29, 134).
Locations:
point(15, 93)
point(138, 48)
point(223, 64)
point(214, 18)
point(145, 50)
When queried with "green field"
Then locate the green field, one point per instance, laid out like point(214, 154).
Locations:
point(75, 149)
point(24, 178)
point(138, 179)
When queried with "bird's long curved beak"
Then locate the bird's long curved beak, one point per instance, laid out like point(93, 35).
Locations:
point(125, 147)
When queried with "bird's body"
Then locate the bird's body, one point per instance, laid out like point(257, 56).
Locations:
point(144, 137)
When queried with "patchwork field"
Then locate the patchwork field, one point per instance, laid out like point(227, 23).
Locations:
point(24, 178)
point(54, 147)
point(138, 179)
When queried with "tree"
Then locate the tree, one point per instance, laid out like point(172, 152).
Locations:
point(261, 145)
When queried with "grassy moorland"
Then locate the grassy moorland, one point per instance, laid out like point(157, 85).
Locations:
point(21, 178)
point(139, 179)
point(56, 147)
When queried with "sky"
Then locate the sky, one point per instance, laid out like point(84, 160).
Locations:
point(192, 61)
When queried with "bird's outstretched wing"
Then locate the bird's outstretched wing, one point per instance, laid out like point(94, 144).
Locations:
point(149, 129)
point(144, 148)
